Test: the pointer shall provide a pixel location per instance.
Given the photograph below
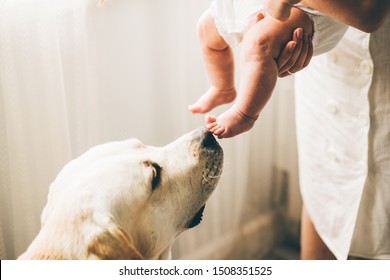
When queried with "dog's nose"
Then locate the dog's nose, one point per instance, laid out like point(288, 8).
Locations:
point(208, 140)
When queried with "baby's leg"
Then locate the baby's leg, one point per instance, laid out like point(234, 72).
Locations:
point(259, 71)
point(219, 62)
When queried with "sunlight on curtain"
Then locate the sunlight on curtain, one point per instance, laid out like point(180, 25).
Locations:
point(73, 75)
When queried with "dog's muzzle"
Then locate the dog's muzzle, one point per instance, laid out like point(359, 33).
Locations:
point(212, 153)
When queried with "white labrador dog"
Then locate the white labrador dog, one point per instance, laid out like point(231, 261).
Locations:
point(126, 200)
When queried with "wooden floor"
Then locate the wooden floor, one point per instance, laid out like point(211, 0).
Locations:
point(284, 252)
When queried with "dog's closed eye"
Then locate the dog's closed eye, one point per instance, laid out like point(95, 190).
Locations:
point(156, 175)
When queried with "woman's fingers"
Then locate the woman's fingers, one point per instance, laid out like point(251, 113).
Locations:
point(286, 59)
point(286, 54)
point(298, 65)
point(290, 63)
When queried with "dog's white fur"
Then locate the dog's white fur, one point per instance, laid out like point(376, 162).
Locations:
point(126, 200)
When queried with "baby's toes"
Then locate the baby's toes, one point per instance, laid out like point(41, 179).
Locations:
point(212, 127)
point(210, 119)
point(217, 128)
point(219, 131)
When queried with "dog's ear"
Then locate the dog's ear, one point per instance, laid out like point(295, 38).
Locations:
point(114, 244)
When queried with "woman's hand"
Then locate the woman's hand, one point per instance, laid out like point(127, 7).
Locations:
point(296, 55)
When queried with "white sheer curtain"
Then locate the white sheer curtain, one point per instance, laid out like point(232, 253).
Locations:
point(73, 75)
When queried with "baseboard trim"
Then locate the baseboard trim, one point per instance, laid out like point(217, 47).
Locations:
point(254, 240)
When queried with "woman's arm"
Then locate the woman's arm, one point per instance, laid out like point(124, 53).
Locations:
point(366, 15)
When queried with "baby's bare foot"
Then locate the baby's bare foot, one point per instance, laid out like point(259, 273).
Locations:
point(230, 123)
point(211, 99)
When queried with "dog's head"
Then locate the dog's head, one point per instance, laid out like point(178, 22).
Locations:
point(128, 200)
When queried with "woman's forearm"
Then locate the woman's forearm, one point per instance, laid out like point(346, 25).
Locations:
point(366, 15)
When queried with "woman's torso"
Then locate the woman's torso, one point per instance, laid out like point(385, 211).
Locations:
point(343, 130)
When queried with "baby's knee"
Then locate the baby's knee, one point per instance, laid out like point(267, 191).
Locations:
point(208, 33)
point(255, 45)
point(264, 39)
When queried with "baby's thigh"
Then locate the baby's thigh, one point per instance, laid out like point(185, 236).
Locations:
point(208, 32)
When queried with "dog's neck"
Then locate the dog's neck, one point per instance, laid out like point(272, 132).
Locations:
point(167, 254)
point(82, 240)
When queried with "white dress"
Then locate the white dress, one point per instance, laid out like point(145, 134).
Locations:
point(343, 131)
